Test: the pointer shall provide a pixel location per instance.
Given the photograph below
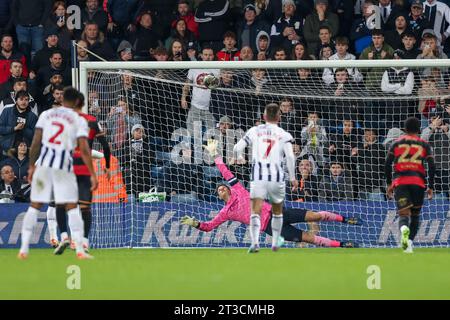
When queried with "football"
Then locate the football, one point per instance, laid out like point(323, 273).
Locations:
point(211, 81)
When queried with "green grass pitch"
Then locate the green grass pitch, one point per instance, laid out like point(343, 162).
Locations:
point(228, 274)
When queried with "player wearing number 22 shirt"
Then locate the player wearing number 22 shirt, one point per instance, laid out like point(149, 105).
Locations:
point(408, 154)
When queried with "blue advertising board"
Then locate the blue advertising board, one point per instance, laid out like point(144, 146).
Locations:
point(158, 225)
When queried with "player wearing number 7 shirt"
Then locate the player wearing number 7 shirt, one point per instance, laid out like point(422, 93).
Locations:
point(57, 134)
point(270, 144)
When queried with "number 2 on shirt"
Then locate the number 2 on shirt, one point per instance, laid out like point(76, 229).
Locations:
point(270, 143)
point(58, 133)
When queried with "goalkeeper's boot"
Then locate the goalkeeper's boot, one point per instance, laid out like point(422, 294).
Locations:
point(253, 249)
point(409, 249)
point(405, 237)
point(62, 247)
point(22, 256)
point(349, 244)
point(279, 244)
point(84, 256)
point(353, 221)
point(54, 243)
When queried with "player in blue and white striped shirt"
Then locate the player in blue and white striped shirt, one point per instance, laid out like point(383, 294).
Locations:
point(57, 133)
point(270, 145)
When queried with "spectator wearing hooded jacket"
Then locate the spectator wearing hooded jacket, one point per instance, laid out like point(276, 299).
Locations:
point(287, 30)
point(263, 46)
point(17, 123)
point(322, 16)
point(42, 57)
point(250, 28)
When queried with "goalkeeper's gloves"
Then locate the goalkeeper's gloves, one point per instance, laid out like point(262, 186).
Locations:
point(190, 221)
point(211, 147)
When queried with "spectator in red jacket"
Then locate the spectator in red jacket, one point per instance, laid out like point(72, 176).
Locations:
point(8, 55)
point(229, 52)
point(184, 12)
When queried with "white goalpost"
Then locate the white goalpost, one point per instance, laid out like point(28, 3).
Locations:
point(343, 116)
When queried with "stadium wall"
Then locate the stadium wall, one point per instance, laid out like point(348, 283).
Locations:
point(157, 225)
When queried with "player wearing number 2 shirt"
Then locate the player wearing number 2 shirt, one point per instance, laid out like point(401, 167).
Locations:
point(409, 154)
point(270, 144)
point(58, 132)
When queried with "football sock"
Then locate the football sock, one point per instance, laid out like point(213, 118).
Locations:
point(329, 216)
point(325, 242)
point(62, 219)
point(87, 220)
point(255, 225)
point(277, 225)
point(76, 228)
point(51, 221)
point(29, 221)
point(414, 227)
point(403, 221)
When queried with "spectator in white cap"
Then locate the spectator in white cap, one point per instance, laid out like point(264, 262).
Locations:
point(322, 16)
point(287, 31)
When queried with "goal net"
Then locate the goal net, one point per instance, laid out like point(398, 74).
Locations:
point(343, 116)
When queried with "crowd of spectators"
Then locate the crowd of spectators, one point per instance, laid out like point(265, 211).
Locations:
point(338, 134)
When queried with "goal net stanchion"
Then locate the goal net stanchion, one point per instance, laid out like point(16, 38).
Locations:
point(343, 116)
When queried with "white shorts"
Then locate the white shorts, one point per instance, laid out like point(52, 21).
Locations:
point(50, 184)
point(274, 192)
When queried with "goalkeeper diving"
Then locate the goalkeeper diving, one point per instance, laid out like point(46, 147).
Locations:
point(237, 208)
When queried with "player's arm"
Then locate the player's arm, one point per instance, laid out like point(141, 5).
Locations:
point(35, 149)
point(184, 95)
point(208, 225)
point(211, 147)
point(290, 163)
point(239, 148)
point(87, 159)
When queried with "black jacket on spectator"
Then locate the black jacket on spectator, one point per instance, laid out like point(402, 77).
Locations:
point(411, 54)
point(136, 166)
point(393, 38)
point(5, 14)
point(277, 39)
point(100, 17)
point(417, 26)
point(344, 10)
point(118, 10)
point(19, 194)
point(213, 26)
point(144, 40)
point(102, 49)
point(8, 120)
point(42, 57)
point(44, 74)
point(370, 165)
point(64, 35)
point(308, 190)
point(251, 31)
point(10, 101)
point(31, 12)
point(162, 12)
